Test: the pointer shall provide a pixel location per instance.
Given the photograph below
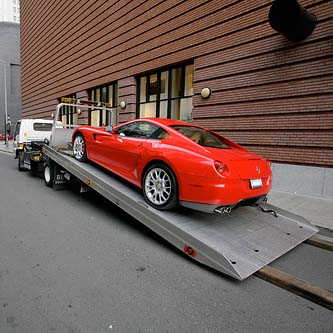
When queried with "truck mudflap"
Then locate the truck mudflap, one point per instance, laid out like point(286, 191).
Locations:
point(237, 244)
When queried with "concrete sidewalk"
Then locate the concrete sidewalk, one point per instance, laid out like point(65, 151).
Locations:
point(4, 148)
point(318, 211)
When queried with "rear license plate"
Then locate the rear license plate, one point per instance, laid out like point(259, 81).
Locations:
point(255, 183)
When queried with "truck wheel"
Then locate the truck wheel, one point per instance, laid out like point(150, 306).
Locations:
point(49, 174)
point(20, 163)
point(160, 187)
point(79, 148)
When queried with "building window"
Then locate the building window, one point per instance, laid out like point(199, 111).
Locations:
point(106, 94)
point(68, 114)
point(167, 93)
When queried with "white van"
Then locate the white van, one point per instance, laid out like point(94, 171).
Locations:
point(27, 133)
point(28, 130)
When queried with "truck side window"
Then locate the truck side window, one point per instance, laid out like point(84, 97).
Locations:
point(42, 127)
point(17, 130)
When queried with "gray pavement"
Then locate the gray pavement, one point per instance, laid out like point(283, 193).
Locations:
point(76, 263)
point(319, 211)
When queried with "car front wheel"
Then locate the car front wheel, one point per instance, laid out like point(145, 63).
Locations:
point(160, 187)
point(79, 148)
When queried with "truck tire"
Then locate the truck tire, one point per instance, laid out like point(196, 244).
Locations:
point(20, 164)
point(49, 174)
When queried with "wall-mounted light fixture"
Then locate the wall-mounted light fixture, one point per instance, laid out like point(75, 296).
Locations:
point(79, 111)
point(205, 92)
point(291, 19)
point(123, 104)
point(52, 115)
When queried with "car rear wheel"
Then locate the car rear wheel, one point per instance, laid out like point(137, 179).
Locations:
point(160, 187)
point(79, 148)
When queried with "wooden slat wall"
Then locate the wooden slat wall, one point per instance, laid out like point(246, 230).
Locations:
point(269, 94)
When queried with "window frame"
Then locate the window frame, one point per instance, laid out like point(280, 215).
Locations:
point(68, 111)
point(99, 89)
point(158, 99)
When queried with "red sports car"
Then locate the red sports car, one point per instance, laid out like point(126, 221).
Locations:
point(177, 163)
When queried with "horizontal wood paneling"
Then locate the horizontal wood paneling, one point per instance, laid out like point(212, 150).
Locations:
point(303, 121)
point(271, 95)
point(290, 105)
point(296, 155)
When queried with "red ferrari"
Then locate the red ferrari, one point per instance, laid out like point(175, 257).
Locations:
point(177, 163)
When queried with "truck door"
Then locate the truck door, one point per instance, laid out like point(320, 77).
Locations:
point(16, 136)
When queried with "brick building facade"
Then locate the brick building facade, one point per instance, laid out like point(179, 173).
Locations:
point(269, 94)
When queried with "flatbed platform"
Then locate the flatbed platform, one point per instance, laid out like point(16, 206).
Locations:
point(237, 244)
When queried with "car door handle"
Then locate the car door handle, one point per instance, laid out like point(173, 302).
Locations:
point(139, 144)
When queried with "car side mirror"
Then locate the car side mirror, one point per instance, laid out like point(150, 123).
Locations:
point(109, 128)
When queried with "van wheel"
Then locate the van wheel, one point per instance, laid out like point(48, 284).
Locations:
point(20, 163)
point(49, 174)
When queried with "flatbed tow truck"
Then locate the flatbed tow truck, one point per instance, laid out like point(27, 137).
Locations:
point(237, 244)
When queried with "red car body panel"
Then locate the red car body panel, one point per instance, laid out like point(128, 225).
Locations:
point(193, 164)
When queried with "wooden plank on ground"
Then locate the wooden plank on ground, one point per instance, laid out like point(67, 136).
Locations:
point(321, 241)
point(302, 288)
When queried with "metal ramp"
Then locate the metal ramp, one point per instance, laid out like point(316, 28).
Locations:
point(237, 244)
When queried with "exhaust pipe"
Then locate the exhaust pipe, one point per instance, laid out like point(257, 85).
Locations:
point(223, 210)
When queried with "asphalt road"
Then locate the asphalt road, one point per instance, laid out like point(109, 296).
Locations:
point(76, 263)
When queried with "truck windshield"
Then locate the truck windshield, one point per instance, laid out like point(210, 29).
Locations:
point(47, 127)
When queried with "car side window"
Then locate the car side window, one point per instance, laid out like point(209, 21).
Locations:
point(125, 130)
point(142, 129)
point(159, 134)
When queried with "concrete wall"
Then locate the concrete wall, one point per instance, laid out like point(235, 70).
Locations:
point(298, 179)
point(10, 64)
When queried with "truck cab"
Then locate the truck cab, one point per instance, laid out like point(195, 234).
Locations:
point(28, 138)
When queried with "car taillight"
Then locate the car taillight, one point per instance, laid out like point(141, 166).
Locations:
point(220, 167)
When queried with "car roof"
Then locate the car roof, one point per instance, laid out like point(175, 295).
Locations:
point(166, 122)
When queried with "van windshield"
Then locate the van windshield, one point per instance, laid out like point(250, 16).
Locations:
point(47, 127)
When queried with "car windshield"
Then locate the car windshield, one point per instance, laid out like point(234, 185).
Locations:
point(201, 136)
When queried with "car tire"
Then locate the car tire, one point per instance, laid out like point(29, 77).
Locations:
point(20, 162)
point(79, 148)
point(49, 174)
point(160, 188)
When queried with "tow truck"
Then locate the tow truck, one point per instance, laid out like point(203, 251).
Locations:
point(237, 244)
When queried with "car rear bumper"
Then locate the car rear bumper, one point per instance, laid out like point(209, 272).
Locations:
point(221, 209)
point(224, 192)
